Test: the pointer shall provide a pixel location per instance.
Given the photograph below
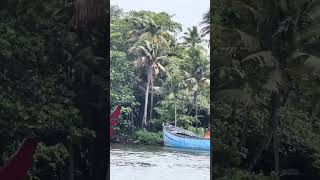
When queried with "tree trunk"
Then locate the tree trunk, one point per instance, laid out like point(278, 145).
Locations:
point(196, 106)
point(275, 105)
point(132, 123)
point(243, 140)
point(71, 161)
point(151, 102)
point(265, 145)
point(175, 111)
point(314, 113)
point(276, 155)
point(94, 109)
point(144, 119)
point(101, 96)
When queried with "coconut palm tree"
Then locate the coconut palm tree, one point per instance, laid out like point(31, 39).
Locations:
point(196, 72)
point(171, 87)
point(192, 37)
point(147, 29)
point(149, 56)
point(206, 22)
point(148, 36)
point(196, 64)
point(92, 15)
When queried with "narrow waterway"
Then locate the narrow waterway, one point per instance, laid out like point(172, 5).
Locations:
point(140, 162)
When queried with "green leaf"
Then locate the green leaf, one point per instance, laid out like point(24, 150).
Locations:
point(235, 95)
point(262, 58)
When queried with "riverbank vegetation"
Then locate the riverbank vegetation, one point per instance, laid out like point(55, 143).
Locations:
point(52, 84)
point(156, 75)
point(265, 89)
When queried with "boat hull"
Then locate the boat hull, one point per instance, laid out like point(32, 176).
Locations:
point(173, 140)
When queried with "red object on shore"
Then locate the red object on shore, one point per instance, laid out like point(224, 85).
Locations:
point(16, 168)
point(207, 135)
point(114, 119)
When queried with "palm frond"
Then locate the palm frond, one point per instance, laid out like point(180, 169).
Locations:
point(274, 81)
point(145, 51)
point(310, 63)
point(141, 62)
point(191, 81)
point(162, 58)
point(314, 11)
point(242, 6)
point(312, 48)
point(205, 81)
point(262, 58)
point(158, 90)
point(249, 41)
point(148, 45)
point(88, 12)
point(164, 43)
point(313, 31)
point(234, 96)
point(163, 69)
point(143, 37)
point(186, 74)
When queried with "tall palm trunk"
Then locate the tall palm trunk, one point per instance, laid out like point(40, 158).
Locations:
point(132, 122)
point(144, 119)
point(314, 113)
point(275, 105)
point(151, 102)
point(71, 161)
point(92, 14)
point(243, 139)
point(175, 111)
point(196, 106)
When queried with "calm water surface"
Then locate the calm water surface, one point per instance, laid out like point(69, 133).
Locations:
point(158, 163)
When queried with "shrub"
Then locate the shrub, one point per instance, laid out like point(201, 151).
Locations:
point(237, 174)
point(200, 131)
point(149, 138)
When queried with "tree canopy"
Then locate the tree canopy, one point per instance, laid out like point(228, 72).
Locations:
point(156, 64)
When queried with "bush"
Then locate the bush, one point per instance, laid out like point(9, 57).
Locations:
point(49, 162)
point(186, 121)
point(237, 174)
point(200, 131)
point(155, 124)
point(122, 128)
point(149, 138)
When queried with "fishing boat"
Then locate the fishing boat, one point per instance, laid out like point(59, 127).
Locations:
point(180, 138)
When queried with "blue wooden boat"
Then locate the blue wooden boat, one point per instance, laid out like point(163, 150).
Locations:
point(180, 138)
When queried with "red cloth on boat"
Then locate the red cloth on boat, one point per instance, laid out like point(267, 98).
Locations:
point(207, 135)
point(114, 118)
point(16, 168)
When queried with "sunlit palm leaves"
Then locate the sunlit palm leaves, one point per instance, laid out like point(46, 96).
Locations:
point(150, 45)
point(192, 37)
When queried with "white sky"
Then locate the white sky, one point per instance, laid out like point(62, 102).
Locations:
point(187, 12)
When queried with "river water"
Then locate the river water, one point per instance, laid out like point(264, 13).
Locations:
point(139, 162)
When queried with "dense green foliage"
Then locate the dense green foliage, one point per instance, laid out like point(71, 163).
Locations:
point(149, 138)
point(150, 67)
point(44, 62)
point(265, 85)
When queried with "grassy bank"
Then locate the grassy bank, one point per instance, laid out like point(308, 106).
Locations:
point(139, 137)
point(148, 138)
